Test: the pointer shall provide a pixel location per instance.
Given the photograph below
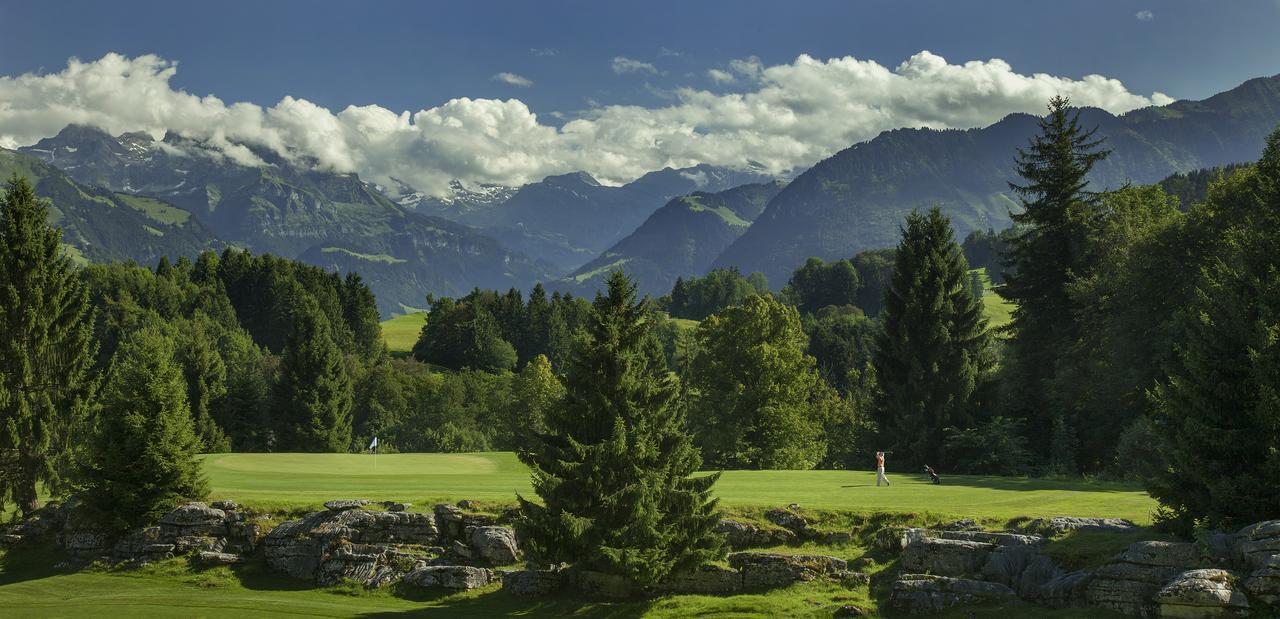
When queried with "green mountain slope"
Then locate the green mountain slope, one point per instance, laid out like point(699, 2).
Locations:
point(328, 219)
point(99, 225)
point(856, 199)
point(569, 219)
point(680, 239)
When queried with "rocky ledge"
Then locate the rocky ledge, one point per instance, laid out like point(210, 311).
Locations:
point(1227, 575)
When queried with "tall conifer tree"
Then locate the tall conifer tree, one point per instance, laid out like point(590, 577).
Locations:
point(144, 462)
point(46, 346)
point(613, 469)
point(933, 349)
point(1218, 412)
point(1048, 249)
point(313, 395)
point(206, 376)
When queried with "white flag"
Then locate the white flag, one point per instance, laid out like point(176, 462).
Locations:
point(374, 444)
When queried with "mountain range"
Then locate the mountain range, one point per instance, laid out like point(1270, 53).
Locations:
point(569, 219)
point(857, 199)
point(135, 197)
point(290, 209)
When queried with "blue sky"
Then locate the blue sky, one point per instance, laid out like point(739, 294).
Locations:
point(408, 55)
point(418, 55)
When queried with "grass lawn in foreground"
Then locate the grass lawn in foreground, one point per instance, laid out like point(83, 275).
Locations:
point(401, 332)
point(172, 589)
point(30, 587)
point(296, 480)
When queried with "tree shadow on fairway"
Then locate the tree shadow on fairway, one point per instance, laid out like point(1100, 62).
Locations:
point(29, 562)
point(995, 482)
point(499, 604)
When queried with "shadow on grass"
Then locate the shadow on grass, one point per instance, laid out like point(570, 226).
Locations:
point(499, 604)
point(995, 482)
point(29, 562)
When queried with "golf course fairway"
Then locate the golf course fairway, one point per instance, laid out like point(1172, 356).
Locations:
point(299, 480)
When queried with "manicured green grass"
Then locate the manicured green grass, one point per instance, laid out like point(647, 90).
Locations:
point(297, 480)
point(401, 332)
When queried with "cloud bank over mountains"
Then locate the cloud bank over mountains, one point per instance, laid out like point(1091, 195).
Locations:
point(780, 117)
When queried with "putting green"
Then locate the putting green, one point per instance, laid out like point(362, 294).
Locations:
point(296, 480)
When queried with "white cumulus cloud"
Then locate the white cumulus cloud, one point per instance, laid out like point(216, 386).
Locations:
point(783, 116)
point(513, 79)
point(721, 77)
point(1145, 15)
point(622, 64)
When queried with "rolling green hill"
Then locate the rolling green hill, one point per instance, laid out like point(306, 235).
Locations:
point(569, 219)
point(680, 239)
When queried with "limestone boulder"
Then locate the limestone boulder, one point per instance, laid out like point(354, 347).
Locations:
point(704, 580)
point(1204, 593)
point(768, 570)
point(788, 519)
point(370, 547)
point(1062, 524)
point(533, 583)
point(920, 594)
point(454, 577)
point(1129, 583)
point(340, 505)
point(986, 537)
point(945, 557)
point(218, 558)
point(494, 545)
point(1263, 586)
point(1258, 545)
point(85, 543)
point(744, 535)
point(1022, 568)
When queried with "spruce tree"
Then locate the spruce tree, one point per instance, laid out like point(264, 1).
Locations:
point(613, 471)
point(1217, 413)
point(1048, 249)
point(144, 460)
point(46, 347)
point(206, 376)
point(932, 351)
point(313, 395)
point(360, 311)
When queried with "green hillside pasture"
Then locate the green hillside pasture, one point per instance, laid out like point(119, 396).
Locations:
point(401, 332)
point(157, 210)
point(996, 309)
point(298, 480)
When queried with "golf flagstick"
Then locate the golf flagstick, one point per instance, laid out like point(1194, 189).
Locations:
point(374, 447)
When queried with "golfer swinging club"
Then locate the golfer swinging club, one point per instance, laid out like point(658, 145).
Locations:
point(880, 470)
